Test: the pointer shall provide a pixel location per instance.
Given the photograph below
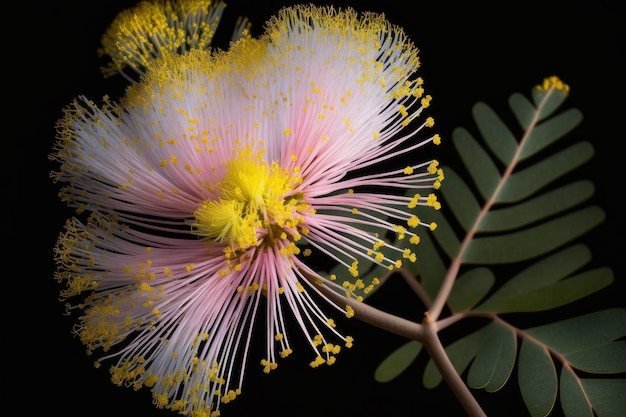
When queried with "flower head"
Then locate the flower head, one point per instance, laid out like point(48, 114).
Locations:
point(212, 179)
point(153, 29)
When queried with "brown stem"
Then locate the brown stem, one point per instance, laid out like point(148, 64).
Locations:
point(376, 317)
point(435, 349)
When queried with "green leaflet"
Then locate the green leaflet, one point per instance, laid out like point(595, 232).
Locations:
point(523, 109)
point(469, 288)
point(583, 332)
point(444, 235)
point(495, 360)
point(459, 199)
point(573, 398)
point(551, 296)
point(605, 359)
point(482, 169)
point(537, 379)
point(537, 208)
point(496, 134)
point(466, 209)
point(580, 397)
point(533, 241)
point(606, 396)
point(548, 283)
point(524, 183)
point(430, 266)
point(397, 362)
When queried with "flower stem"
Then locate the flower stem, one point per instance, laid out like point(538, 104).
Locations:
point(376, 317)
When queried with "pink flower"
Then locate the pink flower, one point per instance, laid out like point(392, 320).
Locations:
point(213, 179)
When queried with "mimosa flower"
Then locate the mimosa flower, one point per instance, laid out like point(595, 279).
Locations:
point(153, 29)
point(215, 176)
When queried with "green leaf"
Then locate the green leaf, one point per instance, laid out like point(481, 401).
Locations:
point(397, 362)
point(542, 273)
point(460, 352)
point(479, 164)
point(527, 220)
point(495, 360)
point(606, 396)
point(550, 131)
point(524, 111)
point(573, 398)
point(580, 397)
point(460, 199)
point(583, 332)
point(551, 296)
point(470, 288)
point(445, 235)
point(497, 135)
point(528, 181)
point(534, 241)
point(605, 359)
point(537, 379)
point(429, 266)
point(529, 211)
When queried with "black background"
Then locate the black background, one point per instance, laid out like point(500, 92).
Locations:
point(470, 51)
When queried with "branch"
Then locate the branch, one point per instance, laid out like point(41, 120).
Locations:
point(435, 349)
point(376, 317)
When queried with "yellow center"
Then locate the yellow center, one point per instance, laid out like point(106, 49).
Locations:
point(256, 205)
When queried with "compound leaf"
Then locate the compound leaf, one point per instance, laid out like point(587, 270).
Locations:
point(506, 207)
